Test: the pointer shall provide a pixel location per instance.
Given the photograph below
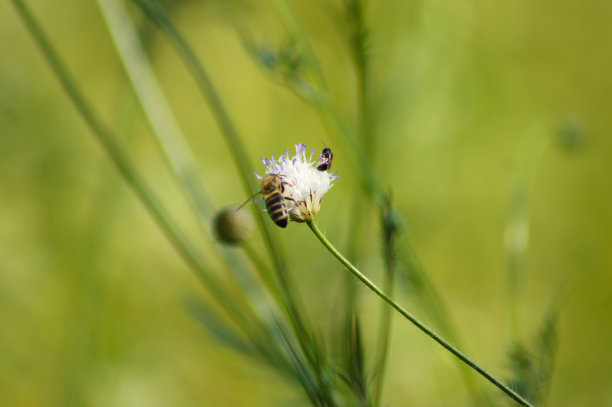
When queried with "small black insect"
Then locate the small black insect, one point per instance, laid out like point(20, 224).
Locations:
point(325, 159)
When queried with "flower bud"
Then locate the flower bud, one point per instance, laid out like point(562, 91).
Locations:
point(232, 226)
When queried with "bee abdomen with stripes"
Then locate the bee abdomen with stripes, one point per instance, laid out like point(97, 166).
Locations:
point(272, 190)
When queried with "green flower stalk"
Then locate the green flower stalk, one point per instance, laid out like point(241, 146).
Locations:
point(427, 330)
point(302, 184)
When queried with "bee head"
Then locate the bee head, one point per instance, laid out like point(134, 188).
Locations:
point(325, 159)
point(327, 153)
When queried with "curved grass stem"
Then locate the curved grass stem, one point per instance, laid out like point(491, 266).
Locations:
point(383, 340)
point(155, 107)
point(427, 330)
point(155, 12)
point(157, 15)
point(133, 179)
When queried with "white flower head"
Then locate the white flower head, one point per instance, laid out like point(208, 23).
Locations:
point(303, 186)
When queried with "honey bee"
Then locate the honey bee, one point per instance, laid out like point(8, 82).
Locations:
point(325, 159)
point(272, 190)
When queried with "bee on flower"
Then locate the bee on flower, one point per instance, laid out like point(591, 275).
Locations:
point(293, 186)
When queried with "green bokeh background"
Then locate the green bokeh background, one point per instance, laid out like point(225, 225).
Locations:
point(92, 295)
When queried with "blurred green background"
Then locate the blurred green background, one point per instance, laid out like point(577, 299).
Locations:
point(92, 296)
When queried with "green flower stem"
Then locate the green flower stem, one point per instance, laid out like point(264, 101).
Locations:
point(165, 128)
point(155, 12)
point(241, 159)
point(357, 45)
point(385, 332)
point(356, 153)
point(289, 16)
point(263, 271)
point(516, 231)
point(428, 331)
point(432, 304)
point(132, 178)
point(149, 94)
point(362, 163)
point(326, 109)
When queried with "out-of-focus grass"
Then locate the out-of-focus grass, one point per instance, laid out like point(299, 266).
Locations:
point(91, 295)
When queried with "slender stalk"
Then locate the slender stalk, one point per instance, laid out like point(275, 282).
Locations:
point(358, 33)
point(360, 200)
point(516, 231)
point(155, 12)
point(354, 233)
point(361, 160)
point(166, 129)
point(390, 228)
point(430, 301)
point(132, 178)
point(149, 94)
point(289, 16)
point(326, 109)
point(428, 331)
point(168, 133)
point(385, 333)
point(233, 140)
point(264, 274)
